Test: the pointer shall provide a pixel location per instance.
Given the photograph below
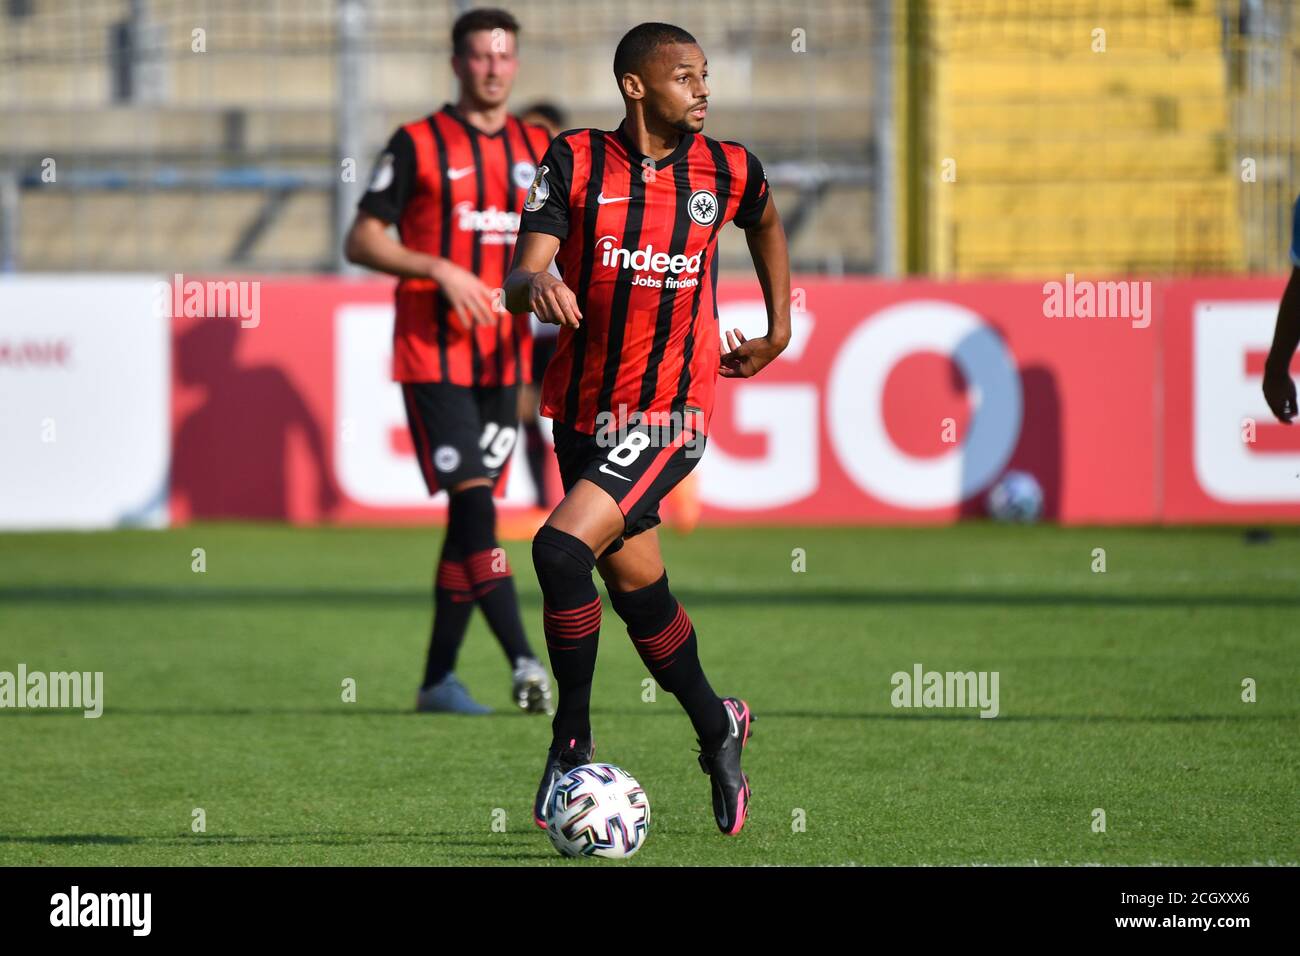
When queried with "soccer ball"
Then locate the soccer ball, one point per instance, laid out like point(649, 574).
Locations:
point(598, 810)
point(1016, 497)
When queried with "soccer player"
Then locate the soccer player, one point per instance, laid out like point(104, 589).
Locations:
point(1279, 389)
point(454, 184)
point(631, 217)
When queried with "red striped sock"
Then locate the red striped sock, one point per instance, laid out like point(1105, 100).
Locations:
point(664, 637)
point(571, 620)
point(453, 603)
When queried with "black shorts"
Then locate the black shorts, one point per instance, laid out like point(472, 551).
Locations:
point(462, 432)
point(637, 472)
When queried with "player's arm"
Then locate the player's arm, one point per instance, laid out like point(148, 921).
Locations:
point(1279, 389)
point(369, 244)
point(531, 287)
point(767, 247)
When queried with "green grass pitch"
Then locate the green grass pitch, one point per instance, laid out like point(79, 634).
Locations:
point(223, 691)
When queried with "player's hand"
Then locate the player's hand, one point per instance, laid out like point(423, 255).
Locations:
point(745, 357)
point(552, 301)
point(1279, 392)
point(468, 296)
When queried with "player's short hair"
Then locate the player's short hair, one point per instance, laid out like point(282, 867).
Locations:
point(641, 42)
point(550, 112)
point(483, 18)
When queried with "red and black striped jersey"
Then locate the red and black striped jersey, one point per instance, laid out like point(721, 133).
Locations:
point(638, 249)
point(457, 192)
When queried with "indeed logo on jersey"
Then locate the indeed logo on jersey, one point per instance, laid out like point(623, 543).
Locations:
point(497, 225)
point(647, 260)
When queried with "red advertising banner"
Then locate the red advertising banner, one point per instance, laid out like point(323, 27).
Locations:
point(904, 401)
point(895, 402)
point(1224, 457)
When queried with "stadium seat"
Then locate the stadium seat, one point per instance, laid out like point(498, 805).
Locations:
point(1055, 144)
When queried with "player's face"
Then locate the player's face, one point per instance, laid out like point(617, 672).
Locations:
point(487, 68)
point(677, 89)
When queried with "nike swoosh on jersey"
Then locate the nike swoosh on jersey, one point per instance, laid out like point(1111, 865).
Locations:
point(459, 173)
point(606, 469)
point(603, 199)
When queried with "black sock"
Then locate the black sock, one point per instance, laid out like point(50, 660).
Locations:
point(571, 619)
point(472, 522)
point(665, 638)
point(453, 603)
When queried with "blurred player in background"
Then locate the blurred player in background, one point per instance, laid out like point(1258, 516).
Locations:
point(1279, 389)
point(454, 184)
point(554, 120)
point(631, 217)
